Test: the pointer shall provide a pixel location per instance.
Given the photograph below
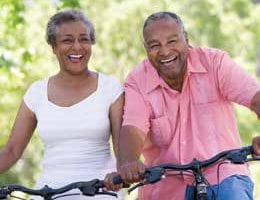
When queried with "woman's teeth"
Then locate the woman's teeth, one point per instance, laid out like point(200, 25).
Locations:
point(75, 56)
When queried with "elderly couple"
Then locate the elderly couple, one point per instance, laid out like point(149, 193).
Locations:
point(175, 105)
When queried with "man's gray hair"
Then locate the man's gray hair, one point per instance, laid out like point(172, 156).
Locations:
point(67, 16)
point(164, 15)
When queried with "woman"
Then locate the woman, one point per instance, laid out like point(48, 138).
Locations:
point(74, 111)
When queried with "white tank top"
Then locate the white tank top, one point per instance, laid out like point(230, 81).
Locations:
point(75, 138)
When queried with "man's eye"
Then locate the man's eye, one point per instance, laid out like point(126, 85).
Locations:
point(153, 47)
point(172, 41)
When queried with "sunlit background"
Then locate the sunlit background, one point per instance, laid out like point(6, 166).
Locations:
point(232, 25)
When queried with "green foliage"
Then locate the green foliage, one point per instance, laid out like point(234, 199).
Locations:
point(232, 25)
point(12, 13)
point(11, 21)
point(69, 4)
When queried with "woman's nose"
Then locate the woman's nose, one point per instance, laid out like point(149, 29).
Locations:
point(76, 44)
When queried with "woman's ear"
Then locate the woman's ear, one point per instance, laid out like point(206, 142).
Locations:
point(53, 49)
point(186, 37)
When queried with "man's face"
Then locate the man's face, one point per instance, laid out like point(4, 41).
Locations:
point(166, 48)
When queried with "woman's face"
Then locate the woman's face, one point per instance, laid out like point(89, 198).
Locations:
point(73, 47)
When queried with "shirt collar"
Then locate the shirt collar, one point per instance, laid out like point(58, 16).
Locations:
point(194, 64)
point(153, 80)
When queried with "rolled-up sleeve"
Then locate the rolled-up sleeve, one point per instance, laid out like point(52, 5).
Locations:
point(136, 109)
point(235, 83)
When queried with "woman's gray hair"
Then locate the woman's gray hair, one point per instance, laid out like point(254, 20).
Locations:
point(67, 16)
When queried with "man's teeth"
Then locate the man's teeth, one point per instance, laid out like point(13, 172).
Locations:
point(75, 56)
point(168, 60)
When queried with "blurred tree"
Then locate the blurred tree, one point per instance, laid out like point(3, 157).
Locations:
point(256, 1)
point(12, 56)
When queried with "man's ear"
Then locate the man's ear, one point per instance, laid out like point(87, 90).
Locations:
point(187, 38)
point(144, 45)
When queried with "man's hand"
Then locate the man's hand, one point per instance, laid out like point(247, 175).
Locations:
point(108, 181)
point(132, 172)
point(131, 143)
point(255, 104)
point(256, 145)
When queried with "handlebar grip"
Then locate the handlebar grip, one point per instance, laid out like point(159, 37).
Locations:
point(101, 184)
point(117, 180)
point(3, 196)
point(251, 149)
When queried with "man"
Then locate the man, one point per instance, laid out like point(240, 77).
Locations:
point(178, 107)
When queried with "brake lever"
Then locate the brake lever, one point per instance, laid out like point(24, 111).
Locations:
point(239, 157)
point(154, 174)
point(3, 196)
point(136, 186)
point(4, 192)
point(91, 189)
point(151, 175)
point(146, 182)
point(252, 159)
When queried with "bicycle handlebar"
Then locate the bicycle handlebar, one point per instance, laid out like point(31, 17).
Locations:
point(155, 173)
point(89, 188)
point(236, 156)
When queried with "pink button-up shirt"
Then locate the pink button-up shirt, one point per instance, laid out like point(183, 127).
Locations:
point(198, 122)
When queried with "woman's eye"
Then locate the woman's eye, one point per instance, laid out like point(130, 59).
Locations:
point(66, 41)
point(84, 39)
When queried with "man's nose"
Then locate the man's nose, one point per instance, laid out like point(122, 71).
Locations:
point(164, 50)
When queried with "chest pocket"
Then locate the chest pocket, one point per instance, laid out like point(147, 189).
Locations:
point(160, 124)
point(203, 89)
point(161, 131)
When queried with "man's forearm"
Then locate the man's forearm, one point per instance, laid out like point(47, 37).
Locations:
point(131, 141)
point(255, 104)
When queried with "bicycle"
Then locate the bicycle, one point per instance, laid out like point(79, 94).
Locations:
point(89, 188)
point(156, 173)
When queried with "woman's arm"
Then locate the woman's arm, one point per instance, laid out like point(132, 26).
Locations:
point(115, 115)
point(21, 133)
